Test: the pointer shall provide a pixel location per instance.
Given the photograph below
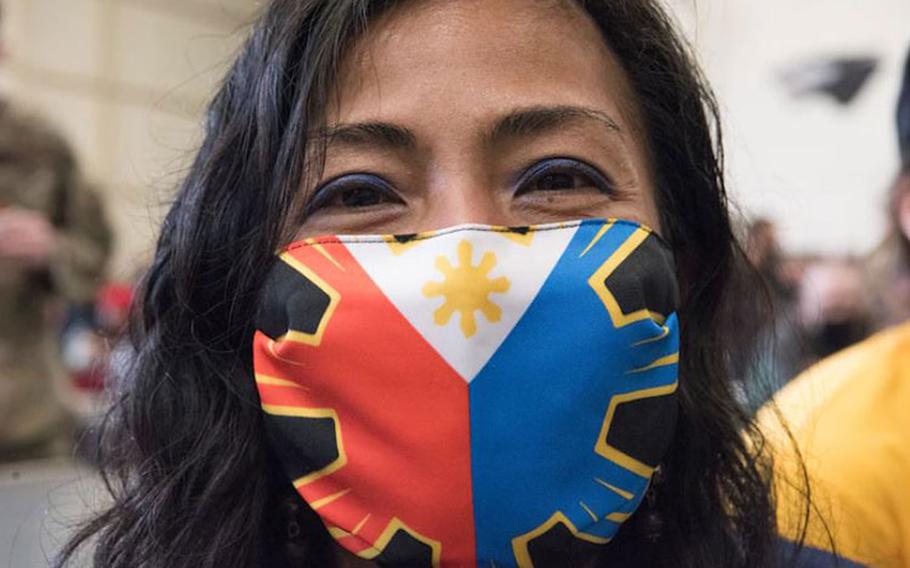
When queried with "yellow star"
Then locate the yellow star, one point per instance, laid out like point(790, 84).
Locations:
point(466, 289)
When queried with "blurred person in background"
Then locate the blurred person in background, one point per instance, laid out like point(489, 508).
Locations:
point(888, 268)
point(849, 417)
point(778, 350)
point(54, 243)
point(766, 255)
point(833, 307)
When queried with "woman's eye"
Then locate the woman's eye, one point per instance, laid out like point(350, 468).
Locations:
point(557, 181)
point(352, 192)
point(361, 197)
point(563, 174)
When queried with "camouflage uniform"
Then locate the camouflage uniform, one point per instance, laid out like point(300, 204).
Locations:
point(38, 172)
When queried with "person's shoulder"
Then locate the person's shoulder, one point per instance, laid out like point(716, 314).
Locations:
point(837, 437)
point(854, 399)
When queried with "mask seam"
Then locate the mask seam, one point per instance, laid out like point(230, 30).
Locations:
point(389, 239)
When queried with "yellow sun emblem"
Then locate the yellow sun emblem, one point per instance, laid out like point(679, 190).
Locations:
point(466, 289)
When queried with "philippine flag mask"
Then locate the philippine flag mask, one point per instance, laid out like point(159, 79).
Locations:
point(475, 395)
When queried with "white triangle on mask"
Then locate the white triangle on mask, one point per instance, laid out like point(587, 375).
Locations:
point(413, 277)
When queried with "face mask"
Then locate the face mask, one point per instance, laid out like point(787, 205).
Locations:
point(475, 395)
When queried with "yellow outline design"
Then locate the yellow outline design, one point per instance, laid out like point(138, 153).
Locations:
point(520, 543)
point(321, 250)
point(320, 503)
point(612, 454)
point(588, 510)
point(666, 361)
point(600, 233)
point(338, 463)
point(597, 281)
point(618, 517)
point(665, 331)
point(276, 382)
point(627, 495)
point(313, 339)
point(377, 548)
point(359, 525)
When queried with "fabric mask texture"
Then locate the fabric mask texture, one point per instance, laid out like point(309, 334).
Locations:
point(473, 395)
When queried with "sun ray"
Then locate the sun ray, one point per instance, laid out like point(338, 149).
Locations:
point(664, 332)
point(487, 263)
point(662, 362)
point(491, 311)
point(618, 517)
point(468, 324)
point(500, 284)
point(319, 503)
point(443, 265)
point(588, 510)
point(362, 522)
point(443, 314)
point(465, 252)
point(621, 492)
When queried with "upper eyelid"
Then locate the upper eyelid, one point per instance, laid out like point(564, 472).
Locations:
point(540, 167)
point(322, 193)
point(345, 176)
point(340, 179)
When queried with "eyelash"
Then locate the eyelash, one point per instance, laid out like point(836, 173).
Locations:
point(568, 166)
point(335, 189)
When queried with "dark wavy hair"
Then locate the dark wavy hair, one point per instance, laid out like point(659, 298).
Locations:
point(185, 458)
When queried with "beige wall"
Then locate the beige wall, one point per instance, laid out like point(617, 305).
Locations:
point(125, 81)
point(820, 169)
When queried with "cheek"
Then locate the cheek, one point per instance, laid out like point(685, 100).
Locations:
point(644, 215)
point(645, 198)
point(640, 206)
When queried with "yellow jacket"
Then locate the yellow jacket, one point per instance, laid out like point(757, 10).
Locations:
point(850, 418)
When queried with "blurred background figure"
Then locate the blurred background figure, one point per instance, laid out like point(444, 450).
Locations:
point(888, 267)
point(764, 251)
point(820, 306)
point(124, 82)
point(54, 243)
point(848, 414)
point(833, 307)
point(779, 351)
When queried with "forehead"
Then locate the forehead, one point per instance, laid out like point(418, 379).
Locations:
point(468, 60)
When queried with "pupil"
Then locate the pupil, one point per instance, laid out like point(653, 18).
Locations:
point(360, 197)
point(552, 182)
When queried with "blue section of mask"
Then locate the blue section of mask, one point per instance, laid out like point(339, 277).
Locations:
point(538, 407)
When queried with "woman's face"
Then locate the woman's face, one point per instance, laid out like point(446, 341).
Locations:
point(502, 112)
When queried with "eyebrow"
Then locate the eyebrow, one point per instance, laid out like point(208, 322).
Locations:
point(381, 134)
point(519, 123)
point(541, 119)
